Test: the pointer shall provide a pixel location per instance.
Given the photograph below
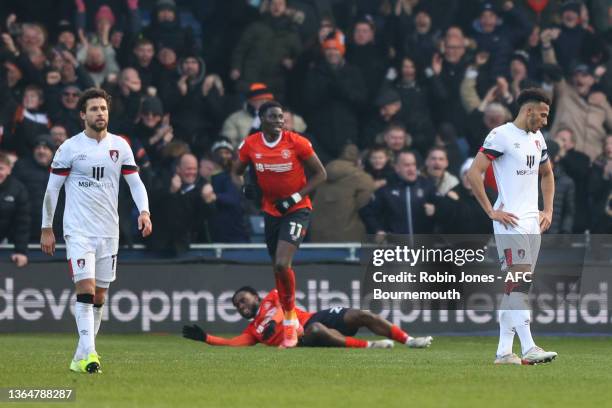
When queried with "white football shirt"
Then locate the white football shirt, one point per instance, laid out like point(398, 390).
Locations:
point(516, 156)
point(92, 173)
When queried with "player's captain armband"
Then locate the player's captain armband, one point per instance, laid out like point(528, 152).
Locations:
point(60, 171)
point(490, 153)
point(544, 157)
point(128, 169)
point(62, 162)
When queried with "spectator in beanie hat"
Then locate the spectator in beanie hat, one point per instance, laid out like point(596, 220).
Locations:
point(246, 120)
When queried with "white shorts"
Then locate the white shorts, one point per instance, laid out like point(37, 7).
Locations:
point(518, 245)
point(92, 258)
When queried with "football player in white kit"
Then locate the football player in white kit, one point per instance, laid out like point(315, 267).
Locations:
point(517, 151)
point(90, 165)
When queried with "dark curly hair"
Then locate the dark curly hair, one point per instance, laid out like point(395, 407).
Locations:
point(93, 93)
point(533, 95)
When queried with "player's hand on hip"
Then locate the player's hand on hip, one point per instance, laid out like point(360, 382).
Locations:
point(194, 332)
point(47, 241)
point(505, 218)
point(144, 224)
point(283, 205)
point(545, 220)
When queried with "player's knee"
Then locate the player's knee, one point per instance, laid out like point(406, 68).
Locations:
point(367, 317)
point(314, 329)
point(99, 298)
point(313, 335)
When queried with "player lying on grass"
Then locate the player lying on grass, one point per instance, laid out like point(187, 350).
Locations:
point(327, 328)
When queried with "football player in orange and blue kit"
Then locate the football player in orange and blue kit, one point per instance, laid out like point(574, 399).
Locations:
point(280, 158)
point(334, 327)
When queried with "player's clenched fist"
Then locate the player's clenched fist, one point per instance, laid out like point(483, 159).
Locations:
point(285, 204)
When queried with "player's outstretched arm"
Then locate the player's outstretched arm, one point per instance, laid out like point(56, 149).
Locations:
point(475, 177)
point(141, 199)
point(195, 332)
point(548, 193)
point(47, 238)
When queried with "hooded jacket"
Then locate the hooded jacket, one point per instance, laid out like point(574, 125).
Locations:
point(337, 203)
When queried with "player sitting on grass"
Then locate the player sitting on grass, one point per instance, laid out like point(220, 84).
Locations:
point(327, 328)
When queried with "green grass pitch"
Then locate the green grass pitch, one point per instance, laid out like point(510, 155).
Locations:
point(168, 371)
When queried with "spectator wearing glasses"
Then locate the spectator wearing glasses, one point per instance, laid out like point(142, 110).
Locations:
point(65, 110)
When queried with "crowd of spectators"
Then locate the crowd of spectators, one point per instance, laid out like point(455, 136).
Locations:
point(396, 97)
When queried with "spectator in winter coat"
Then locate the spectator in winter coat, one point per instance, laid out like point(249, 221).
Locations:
point(14, 212)
point(182, 204)
point(564, 207)
point(334, 95)
point(436, 165)
point(499, 36)
point(165, 29)
point(459, 212)
point(579, 104)
point(239, 124)
point(33, 172)
point(600, 189)
point(153, 128)
point(409, 194)
point(63, 110)
point(578, 167)
point(194, 101)
point(29, 122)
point(379, 164)
point(338, 200)
point(228, 224)
point(266, 51)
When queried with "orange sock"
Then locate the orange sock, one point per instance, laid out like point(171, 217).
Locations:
point(398, 334)
point(352, 342)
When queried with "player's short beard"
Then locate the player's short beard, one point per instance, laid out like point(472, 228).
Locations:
point(254, 310)
point(96, 127)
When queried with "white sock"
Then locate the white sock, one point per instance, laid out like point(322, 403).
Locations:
point(506, 329)
point(85, 324)
point(521, 319)
point(506, 333)
point(369, 344)
point(97, 312)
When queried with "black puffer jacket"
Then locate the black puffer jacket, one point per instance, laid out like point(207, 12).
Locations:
point(334, 99)
point(15, 214)
point(35, 177)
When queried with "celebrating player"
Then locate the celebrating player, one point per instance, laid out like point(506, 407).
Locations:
point(327, 328)
point(90, 164)
point(518, 152)
point(279, 158)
